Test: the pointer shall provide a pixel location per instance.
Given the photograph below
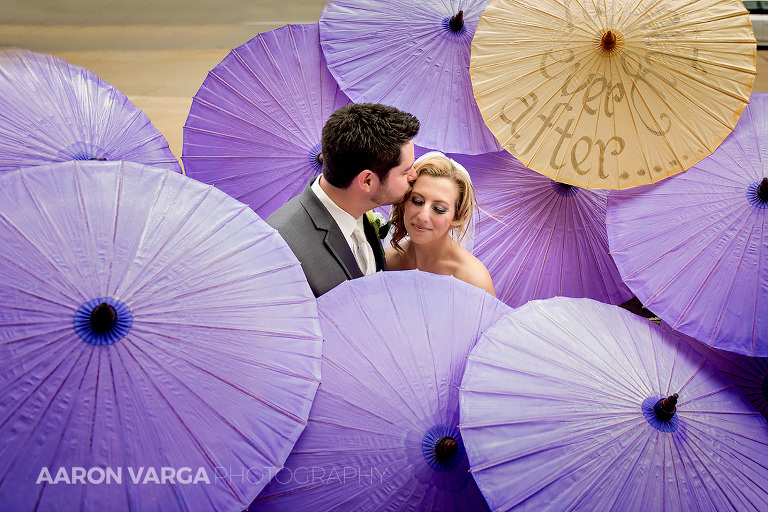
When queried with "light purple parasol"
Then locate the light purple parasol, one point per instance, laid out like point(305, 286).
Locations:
point(156, 339)
point(382, 432)
point(53, 111)
point(694, 247)
point(412, 55)
point(254, 127)
point(569, 404)
point(750, 374)
point(538, 238)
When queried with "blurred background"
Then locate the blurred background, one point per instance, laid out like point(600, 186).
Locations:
point(158, 52)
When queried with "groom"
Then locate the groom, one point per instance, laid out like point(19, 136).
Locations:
point(367, 152)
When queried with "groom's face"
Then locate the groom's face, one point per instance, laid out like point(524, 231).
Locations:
point(398, 181)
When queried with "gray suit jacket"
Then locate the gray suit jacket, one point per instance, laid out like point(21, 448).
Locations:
point(316, 240)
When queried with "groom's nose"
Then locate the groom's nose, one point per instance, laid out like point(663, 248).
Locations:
point(412, 175)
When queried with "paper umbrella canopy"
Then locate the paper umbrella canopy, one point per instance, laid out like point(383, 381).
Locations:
point(570, 404)
point(53, 111)
point(156, 338)
point(382, 432)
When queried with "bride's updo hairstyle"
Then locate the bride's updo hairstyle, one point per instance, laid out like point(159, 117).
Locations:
point(438, 165)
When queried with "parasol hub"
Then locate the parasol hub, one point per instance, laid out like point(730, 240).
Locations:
point(442, 448)
point(457, 22)
point(610, 42)
point(564, 189)
point(665, 408)
point(762, 190)
point(315, 157)
point(103, 318)
point(103, 321)
point(446, 448)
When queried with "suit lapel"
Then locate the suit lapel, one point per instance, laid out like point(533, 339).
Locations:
point(334, 240)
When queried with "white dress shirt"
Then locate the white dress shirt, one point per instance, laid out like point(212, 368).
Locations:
point(351, 228)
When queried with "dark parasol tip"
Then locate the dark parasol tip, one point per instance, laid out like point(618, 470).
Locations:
point(457, 22)
point(445, 448)
point(762, 190)
point(103, 318)
point(564, 185)
point(665, 408)
point(608, 41)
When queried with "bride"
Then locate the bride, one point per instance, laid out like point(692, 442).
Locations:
point(435, 217)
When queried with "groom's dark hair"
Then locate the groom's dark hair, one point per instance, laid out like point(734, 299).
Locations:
point(363, 136)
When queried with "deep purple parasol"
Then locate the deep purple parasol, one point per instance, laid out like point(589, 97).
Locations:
point(157, 338)
point(538, 238)
point(53, 111)
point(572, 404)
point(694, 247)
point(415, 56)
point(382, 432)
point(254, 127)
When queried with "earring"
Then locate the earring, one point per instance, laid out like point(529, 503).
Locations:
point(454, 234)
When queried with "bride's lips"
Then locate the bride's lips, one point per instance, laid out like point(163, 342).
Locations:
point(419, 228)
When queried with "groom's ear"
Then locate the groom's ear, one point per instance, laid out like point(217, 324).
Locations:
point(367, 181)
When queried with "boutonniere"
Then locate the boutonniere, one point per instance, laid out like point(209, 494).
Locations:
point(377, 221)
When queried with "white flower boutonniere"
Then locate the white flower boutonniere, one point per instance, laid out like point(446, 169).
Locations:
point(379, 224)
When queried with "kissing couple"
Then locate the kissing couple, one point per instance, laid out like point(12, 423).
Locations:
point(368, 161)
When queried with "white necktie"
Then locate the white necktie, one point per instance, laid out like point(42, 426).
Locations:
point(363, 252)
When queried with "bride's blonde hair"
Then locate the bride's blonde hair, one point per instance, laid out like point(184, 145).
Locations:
point(440, 166)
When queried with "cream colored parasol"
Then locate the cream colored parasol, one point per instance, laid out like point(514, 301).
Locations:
point(616, 93)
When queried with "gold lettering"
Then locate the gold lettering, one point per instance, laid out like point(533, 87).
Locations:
point(529, 105)
point(601, 158)
point(616, 97)
point(575, 163)
point(589, 97)
point(640, 76)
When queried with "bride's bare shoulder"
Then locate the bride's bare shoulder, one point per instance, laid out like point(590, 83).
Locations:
point(395, 259)
point(471, 270)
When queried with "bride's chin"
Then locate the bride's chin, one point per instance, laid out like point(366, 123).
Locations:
point(424, 237)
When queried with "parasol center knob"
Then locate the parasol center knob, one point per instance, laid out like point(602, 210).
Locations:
point(103, 318)
point(445, 448)
point(608, 41)
point(566, 186)
point(665, 408)
point(457, 22)
point(762, 190)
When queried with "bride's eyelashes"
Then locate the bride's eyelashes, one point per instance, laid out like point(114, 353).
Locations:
point(418, 201)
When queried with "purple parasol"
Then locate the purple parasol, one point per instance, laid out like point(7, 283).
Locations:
point(53, 111)
point(538, 238)
point(254, 126)
point(387, 408)
point(157, 338)
point(415, 56)
point(694, 248)
point(750, 374)
point(572, 404)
